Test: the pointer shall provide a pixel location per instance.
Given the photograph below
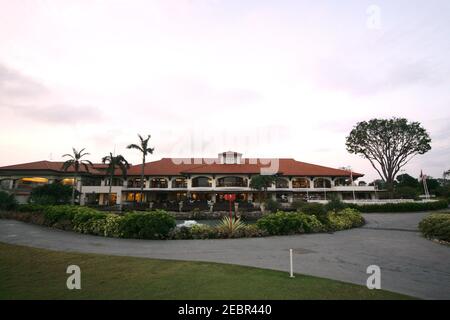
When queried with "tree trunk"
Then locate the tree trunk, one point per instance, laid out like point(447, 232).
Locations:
point(110, 189)
point(142, 180)
point(390, 188)
point(81, 190)
point(73, 190)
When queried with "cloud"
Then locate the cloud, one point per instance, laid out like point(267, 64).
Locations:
point(375, 77)
point(23, 96)
point(59, 114)
point(14, 84)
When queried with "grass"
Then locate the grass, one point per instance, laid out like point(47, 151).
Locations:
point(28, 273)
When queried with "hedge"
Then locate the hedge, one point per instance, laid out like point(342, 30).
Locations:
point(290, 223)
point(436, 226)
point(401, 207)
point(150, 225)
point(161, 225)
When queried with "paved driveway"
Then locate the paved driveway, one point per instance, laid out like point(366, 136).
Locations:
point(409, 263)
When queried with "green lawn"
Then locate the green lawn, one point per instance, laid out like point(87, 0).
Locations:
point(27, 273)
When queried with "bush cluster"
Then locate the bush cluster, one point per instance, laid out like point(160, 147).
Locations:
point(142, 225)
point(289, 223)
point(401, 207)
point(201, 231)
point(344, 219)
point(149, 225)
point(7, 201)
point(300, 222)
point(436, 226)
point(161, 225)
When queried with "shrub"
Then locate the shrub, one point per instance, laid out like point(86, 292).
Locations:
point(401, 207)
point(297, 205)
point(111, 227)
point(202, 231)
point(316, 209)
point(335, 204)
point(51, 194)
point(272, 205)
point(179, 233)
point(32, 208)
point(149, 225)
point(344, 219)
point(251, 231)
point(229, 226)
point(436, 226)
point(7, 201)
point(406, 192)
point(289, 223)
point(54, 214)
point(89, 221)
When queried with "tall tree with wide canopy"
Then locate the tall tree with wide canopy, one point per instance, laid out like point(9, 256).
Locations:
point(446, 174)
point(145, 150)
point(76, 161)
point(114, 163)
point(389, 144)
point(261, 183)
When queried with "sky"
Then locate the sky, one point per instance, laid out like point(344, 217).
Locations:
point(266, 78)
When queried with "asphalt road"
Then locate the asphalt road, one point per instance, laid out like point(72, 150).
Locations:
point(409, 263)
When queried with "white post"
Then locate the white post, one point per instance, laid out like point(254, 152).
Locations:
point(291, 264)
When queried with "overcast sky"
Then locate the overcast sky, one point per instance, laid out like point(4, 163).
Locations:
point(266, 78)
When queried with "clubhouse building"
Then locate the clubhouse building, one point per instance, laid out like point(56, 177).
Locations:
point(171, 180)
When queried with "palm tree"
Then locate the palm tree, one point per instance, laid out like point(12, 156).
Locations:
point(76, 161)
point(145, 150)
point(114, 162)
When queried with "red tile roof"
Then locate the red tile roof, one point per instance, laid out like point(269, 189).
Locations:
point(289, 167)
point(175, 166)
point(50, 166)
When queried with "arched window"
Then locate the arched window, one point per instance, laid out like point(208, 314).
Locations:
point(342, 182)
point(322, 183)
point(179, 183)
point(232, 182)
point(300, 183)
point(282, 183)
point(158, 183)
point(204, 182)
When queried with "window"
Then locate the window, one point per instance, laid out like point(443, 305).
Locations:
point(282, 183)
point(232, 182)
point(342, 182)
point(135, 183)
point(92, 182)
point(179, 183)
point(300, 183)
point(322, 183)
point(31, 182)
point(204, 182)
point(158, 183)
point(116, 182)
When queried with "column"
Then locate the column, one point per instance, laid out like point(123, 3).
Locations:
point(290, 198)
point(189, 183)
